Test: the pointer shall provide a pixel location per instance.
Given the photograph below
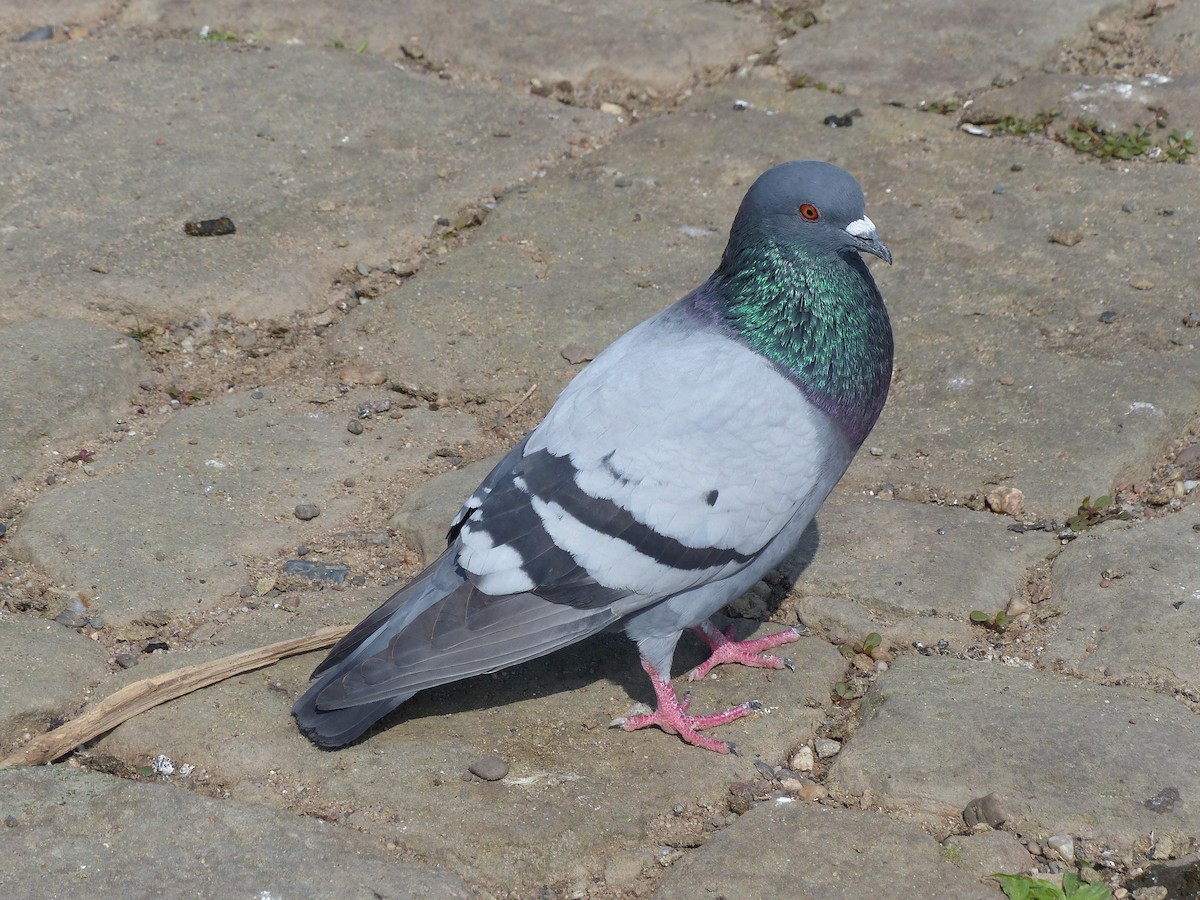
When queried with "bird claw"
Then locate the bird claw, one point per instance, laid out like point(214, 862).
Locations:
point(787, 662)
point(755, 705)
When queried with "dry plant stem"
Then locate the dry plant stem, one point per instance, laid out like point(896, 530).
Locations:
point(148, 693)
point(512, 409)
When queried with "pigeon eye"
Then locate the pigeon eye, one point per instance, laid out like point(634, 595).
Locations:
point(809, 212)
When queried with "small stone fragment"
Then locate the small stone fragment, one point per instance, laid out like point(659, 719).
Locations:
point(576, 354)
point(306, 511)
point(987, 810)
point(1164, 801)
point(490, 768)
point(1067, 237)
point(337, 573)
point(811, 792)
point(1107, 317)
point(1063, 845)
point(802, 759)
point(741, 796)
point(210, 227)
point(827, 748)
point(1008, 501)
point(354, 426)
point(360, 373)
point(1142, 284)
point(1017, 606)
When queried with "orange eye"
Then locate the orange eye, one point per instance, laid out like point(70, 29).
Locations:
point(809, 212)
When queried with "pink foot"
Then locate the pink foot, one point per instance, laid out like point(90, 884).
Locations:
point(747, 653)
point(671, 716)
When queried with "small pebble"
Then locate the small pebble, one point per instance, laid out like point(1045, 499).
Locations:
point(1063, 845)
point(987, 810)
point(306, 511)
point(802, 759)
point(354, 426)
point(1127, 207)
point(363, 269)
point(576, 354)
point(827, 748)
point(256, 395)
point(1067, 237)
point(70, 618)
point(490, 768)
point(1108, 316)
point(1000, 189)
point(45, 33)
point(302, 550)
point(1008, 501)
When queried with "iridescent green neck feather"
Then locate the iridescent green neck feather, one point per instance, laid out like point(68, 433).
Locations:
point(819, 318)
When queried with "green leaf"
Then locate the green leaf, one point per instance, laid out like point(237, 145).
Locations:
point(874, 639)
point(979, 617)
point(1076, 889)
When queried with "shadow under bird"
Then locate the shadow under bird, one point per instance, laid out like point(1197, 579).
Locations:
point(671, 475)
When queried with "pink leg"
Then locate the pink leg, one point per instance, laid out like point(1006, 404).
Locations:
point(671, 716)
point(747, 653)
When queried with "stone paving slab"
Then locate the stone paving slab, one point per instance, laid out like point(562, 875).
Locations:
point(46, 673)
point(1130, 595)
point(60, 379)
point(215, 489)
point(75, 833)
point(936, 48)
point(771, 854)
point(1064, 756)
point(912, 572)
point(1117, 106)
point(610, 46)
point(581, 800)
point(322, 163)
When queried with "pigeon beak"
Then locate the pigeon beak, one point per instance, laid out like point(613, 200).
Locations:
point(865, 239)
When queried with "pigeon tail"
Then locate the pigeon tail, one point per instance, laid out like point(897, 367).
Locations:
point(438, 629)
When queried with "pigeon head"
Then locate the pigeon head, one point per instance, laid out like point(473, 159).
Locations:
point(811, 203)
point(792, 285)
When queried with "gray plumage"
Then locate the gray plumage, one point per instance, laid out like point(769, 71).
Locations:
point(670, 476)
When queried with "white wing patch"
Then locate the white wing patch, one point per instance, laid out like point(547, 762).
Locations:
point(498, 569)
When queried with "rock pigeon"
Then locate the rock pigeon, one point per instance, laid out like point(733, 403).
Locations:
point(670, 476)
